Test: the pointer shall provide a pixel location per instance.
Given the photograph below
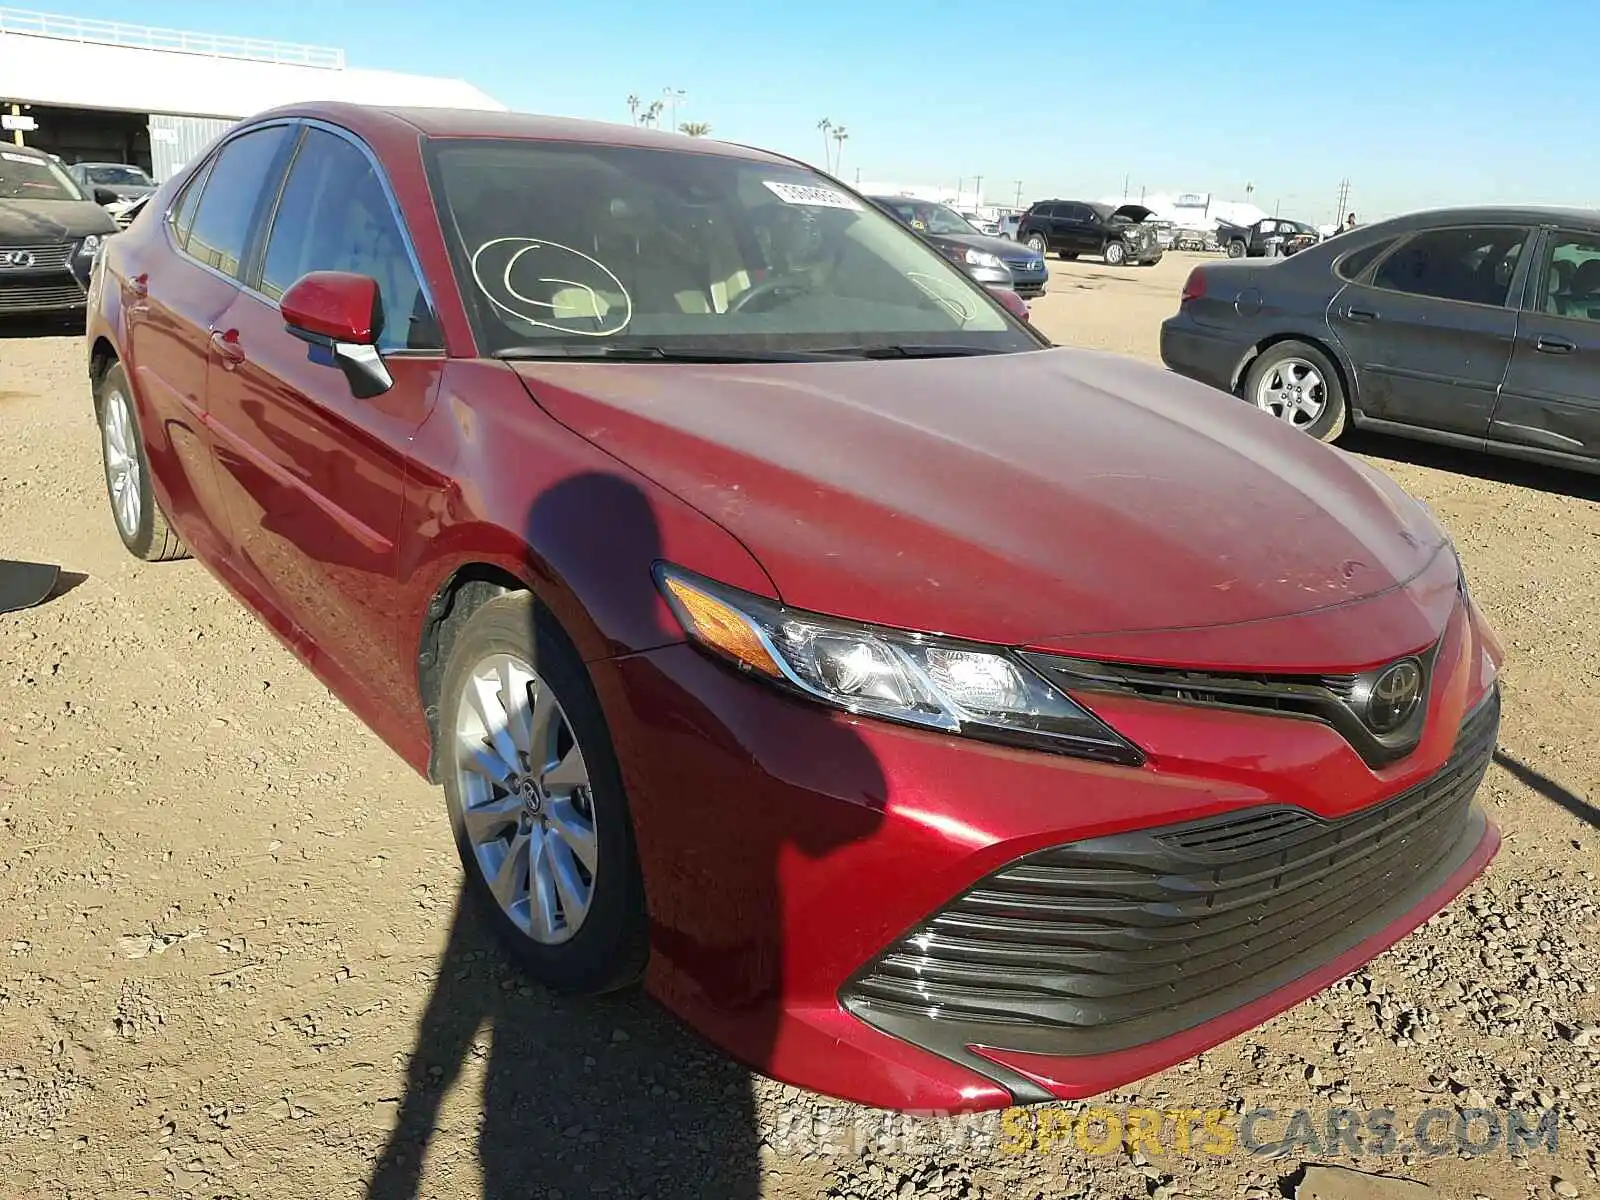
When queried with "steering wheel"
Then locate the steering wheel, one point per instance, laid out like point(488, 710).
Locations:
point(786, 287)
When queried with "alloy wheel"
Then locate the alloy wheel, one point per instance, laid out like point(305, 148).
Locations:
point(1293, 391)
point(525, 795)
point(1036, 243)
point(123, 475)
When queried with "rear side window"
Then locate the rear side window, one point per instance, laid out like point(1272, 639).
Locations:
point(1351, 265)
point(336, 216)
point(1042, 211)
point(239, 184)
point(1474, 265)
point(183, 214)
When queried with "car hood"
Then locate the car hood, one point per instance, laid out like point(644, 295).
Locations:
point(1132, 212)
point(993, 245)
point(52, 220)
point(1020, 499)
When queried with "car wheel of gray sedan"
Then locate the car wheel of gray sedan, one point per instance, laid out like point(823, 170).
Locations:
point(1296, 383)
point(1116, 253)
point(1036, 243)
point(537, 803)
point(139, 520)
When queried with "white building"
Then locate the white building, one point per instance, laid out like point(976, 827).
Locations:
point(112, 92)
point(1194, 210)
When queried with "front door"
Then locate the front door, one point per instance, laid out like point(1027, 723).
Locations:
point(1431, 334)
point(1551, 398)
point(315, 476)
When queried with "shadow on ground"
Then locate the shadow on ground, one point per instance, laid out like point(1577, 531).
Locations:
point(1474, 463)
point(1550, 789)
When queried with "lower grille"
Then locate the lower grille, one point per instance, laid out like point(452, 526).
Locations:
point(1111, 942)
point(51, 292)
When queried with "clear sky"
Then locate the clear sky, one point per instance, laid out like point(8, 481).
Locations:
point(1416, 102)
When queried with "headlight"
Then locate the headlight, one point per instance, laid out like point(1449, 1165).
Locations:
point(937, 683)
point(89, 246)
point(982, 258)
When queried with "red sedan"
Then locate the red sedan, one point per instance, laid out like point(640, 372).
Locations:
point(929, 716)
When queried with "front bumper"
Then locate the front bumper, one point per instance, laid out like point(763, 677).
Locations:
point(55, 278)
point(790, 852)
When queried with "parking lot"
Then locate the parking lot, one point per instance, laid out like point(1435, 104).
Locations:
point(231, 962)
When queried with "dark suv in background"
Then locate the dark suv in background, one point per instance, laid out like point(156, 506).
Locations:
point(1073, 227)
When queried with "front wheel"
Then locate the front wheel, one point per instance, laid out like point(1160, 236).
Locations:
point(1116, 254)
point(139, 520)
point(1236, 249)
point(1296, 383)
point(1037, 243)
point(536, 801)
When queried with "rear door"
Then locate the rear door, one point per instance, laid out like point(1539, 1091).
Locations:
point(315, 475)
point(1551, 397)
point(1431, 333)
point(173, 296)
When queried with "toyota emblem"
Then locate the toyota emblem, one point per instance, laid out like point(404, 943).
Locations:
point(1395, 694)
point(16, 259)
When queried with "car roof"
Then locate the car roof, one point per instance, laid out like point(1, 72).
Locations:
point(367, 119)
point(1526, 214)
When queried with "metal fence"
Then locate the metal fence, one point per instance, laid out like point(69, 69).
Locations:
point(179, 41)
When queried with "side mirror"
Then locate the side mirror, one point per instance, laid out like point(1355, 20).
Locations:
point(1014, 304)
point(104, 196)
point(340, 314)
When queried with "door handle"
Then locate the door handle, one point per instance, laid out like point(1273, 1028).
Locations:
point(226, 343)
point(1553, 345)
point(1361, 314)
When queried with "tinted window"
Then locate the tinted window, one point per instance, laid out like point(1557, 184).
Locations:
point(1572, 276)
point(587, 246)
point(1351, 265)
point(1042, 210)
point(233, 195)
point(183, 213)
point(1473, 265)
point(335, 216)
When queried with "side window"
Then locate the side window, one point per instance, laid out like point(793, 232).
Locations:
point(233, 195)
point(183, 214)
point(1572, 276)
point(1351, 265)
point(1043, 212)
point(335, 216)
point(1474, 265)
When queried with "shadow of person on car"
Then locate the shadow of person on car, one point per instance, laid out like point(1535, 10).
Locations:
point(612, 1097)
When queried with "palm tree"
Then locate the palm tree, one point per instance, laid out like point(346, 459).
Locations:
point(652, 114)
point(839, 136)
point(633, 108)
point(694, 128)
point(824, 125)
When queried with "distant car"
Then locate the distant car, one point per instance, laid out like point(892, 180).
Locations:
point(124, 180)
point(983, 257)
point(1008, 226)
point(1073, 227)
point(1474, 327)
point(49, 234)
point(984, 225)
point(1266, 238)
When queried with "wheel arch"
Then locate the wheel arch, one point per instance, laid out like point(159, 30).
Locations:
point(102, 356)
point(1346, 376)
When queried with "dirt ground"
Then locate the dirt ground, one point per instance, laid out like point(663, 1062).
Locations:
point(231, 963)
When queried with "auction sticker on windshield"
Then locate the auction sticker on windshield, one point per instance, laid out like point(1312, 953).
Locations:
point(817, 197)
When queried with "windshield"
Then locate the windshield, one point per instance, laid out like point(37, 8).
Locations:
point(930, 218)
point(602, 248)
point(119, 176)
point(28, 177)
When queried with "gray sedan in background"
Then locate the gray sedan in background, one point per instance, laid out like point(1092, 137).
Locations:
point(1474, 327)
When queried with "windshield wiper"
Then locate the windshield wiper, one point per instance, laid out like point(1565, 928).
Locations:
point(664, 354)
point(911, 350)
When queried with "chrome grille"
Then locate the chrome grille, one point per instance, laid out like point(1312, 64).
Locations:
point(27, 297)
point(47, 256)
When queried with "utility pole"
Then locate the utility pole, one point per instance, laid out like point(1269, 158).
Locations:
point(1018, 203)
point(673, 97)
point(858, 176)
point(1141, 193)
point(977, 193)
point(1344, 198)
point(1126, 179)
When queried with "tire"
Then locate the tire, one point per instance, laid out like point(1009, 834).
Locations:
point(1115, 254)
point(1067, 257)
point(1236, 249)
point(1261, 382)
point(606, 946)
point(137, 517)
point(1036, 242)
